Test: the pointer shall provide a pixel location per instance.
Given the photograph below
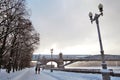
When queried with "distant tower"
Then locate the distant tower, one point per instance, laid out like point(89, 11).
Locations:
point(60, 62)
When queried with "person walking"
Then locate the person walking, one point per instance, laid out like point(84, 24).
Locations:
point(39, 70)
point(35, 70)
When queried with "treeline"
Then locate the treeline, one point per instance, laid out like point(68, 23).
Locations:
point(18, 38)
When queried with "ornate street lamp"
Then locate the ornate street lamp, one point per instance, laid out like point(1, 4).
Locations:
point(51, 59)
point(105, 72)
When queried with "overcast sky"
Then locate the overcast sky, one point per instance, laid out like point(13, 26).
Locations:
point(64, 25)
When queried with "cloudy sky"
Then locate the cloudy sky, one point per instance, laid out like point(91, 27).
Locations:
point(64, 25)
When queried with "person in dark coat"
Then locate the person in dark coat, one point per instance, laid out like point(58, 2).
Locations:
point(35, 70)
point(39, 70)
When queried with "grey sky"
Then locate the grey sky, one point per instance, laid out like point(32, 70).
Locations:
point(65, 26)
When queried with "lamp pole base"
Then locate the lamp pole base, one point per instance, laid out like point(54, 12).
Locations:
point(105, 74)
point(51, 70)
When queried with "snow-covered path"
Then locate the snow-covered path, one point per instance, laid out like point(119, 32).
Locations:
point(29, 74)
point(26, 74)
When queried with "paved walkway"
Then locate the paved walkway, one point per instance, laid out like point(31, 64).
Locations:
point(29, 74)
point(26, 74)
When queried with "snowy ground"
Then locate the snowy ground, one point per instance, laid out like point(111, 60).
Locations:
point(29, 74)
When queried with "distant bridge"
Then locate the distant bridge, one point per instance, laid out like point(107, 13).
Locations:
point(36, 57)
point(60, 59)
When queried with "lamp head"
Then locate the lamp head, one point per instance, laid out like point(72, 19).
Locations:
point(100, 7)
point(90, 15)
point(51, 50)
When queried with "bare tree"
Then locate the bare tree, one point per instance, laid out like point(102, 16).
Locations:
point(18, 38)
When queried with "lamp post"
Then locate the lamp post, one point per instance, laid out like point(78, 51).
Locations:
point(51, 59)
point(105, 72)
